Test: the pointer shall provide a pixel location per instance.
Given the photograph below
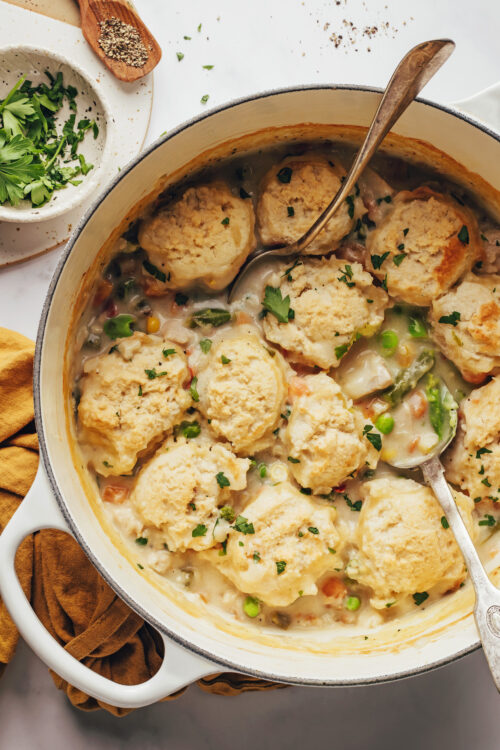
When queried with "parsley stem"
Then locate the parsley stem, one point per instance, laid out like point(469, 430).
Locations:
point(51, 162)
point(11, 93)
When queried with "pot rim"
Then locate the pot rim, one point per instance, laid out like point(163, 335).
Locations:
point(229, 664)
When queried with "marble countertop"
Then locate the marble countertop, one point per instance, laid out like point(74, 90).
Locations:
point(255, 46)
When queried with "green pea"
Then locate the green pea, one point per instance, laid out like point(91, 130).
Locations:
point(353, 603)
point(389, 341)
point(385, 423)
point(251, 607)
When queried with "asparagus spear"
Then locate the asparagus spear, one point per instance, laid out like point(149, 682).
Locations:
point(407, 379)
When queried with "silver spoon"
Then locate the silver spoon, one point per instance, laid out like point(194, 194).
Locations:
point(487, 606)
point(409, 78)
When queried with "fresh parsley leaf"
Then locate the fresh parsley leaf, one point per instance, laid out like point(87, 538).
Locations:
point(188, 430)
point(243, 526)
point(199, 530)
point(398, 259)
point(313, 530)
point(374, 438)
point(341, 350)
point(152, 374)
point(488, 520)
point(419, 598)
point(451, 319)
point(142, 540)
point(293, 460)
point(225, 360)
point(285, 175)
point(222, 480)
point(275, 304)
point(280, 567)
point(377, 260)
point(205, 345)
point(168, 352)
point(481, 451)
point(463, 235)
point(444, 522)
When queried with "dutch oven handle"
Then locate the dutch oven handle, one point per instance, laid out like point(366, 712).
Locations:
point(179, 667)
point(484, 106)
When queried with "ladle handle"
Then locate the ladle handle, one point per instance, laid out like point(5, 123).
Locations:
point(409, 78)
point(487, 606)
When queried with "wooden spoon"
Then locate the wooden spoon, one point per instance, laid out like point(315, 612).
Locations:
point(93, 12)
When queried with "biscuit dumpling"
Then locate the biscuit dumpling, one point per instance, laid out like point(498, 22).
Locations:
point(123, 410)
point(292, 196)
point(324, 436)
point(473, 461)
point(332, 303)
point(403, 547)
point(294, 541)
point(470, 339)
point(423, 245)
point(179, 492)
point(201, 238)
point(242, 390)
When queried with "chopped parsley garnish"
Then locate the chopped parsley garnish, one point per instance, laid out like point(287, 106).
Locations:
point(204, 99)
point(486, 482)
point(385, 199)
point(444, 522)
point(142, 540)
point(199, 530)
point(188, 430)
point(207, 67)
point(347, 276)
point(373, 437)
point(384, 283)
point(222, 480)
point(180, 56)
point(356, 506)
point(451, 319)
point(139, 393)
point(419, 598)
point(119, 326)
point(405, 231)
point(293, 460)
point(256, 557)
point(141, 567)
point(275, 304)
point(285, 175)
point(488, 520)
point(280, 567)
point(152, 374)
point(262, 469)
point(243, 526)
point(482, 451)
point(107, 464)
point(290, 210)
point(192, 506)
point(34, 157)
point(463, 235)
point(398, 259)
point(350, 206)
point(296, 262)
point(227, 513)
point(192, 389)
point(223, 549)
point(169, 352)
point(181, 299)
point(154, 271)
point(205, 345)
point(332, 551)
point(313, 529)
point(306, 490)
point(377, 260)
point(210, 316)
point(225, 221)
point(341, 350)
point(225, 360)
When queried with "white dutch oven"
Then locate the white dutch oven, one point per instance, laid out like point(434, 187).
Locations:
point(196, 645)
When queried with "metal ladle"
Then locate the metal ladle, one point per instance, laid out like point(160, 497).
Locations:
point(409, 78)
point(487, 606)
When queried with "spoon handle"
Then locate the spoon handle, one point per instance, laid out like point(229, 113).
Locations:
point(487, 607)
point(409, 78)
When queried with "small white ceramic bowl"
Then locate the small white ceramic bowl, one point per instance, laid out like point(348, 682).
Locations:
point(33, 62)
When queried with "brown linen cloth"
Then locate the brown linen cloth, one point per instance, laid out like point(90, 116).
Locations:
point(67, 593)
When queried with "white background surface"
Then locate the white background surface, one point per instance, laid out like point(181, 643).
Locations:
point(254, 46)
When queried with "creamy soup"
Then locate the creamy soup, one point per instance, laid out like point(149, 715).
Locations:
point(245, 451)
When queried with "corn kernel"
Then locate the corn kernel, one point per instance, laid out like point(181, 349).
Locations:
point(152, 324)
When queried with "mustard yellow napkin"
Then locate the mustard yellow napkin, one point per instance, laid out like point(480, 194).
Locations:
point(68, 595)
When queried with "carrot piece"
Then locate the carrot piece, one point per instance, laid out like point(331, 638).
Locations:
point(334, 588)
point(115, 493)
